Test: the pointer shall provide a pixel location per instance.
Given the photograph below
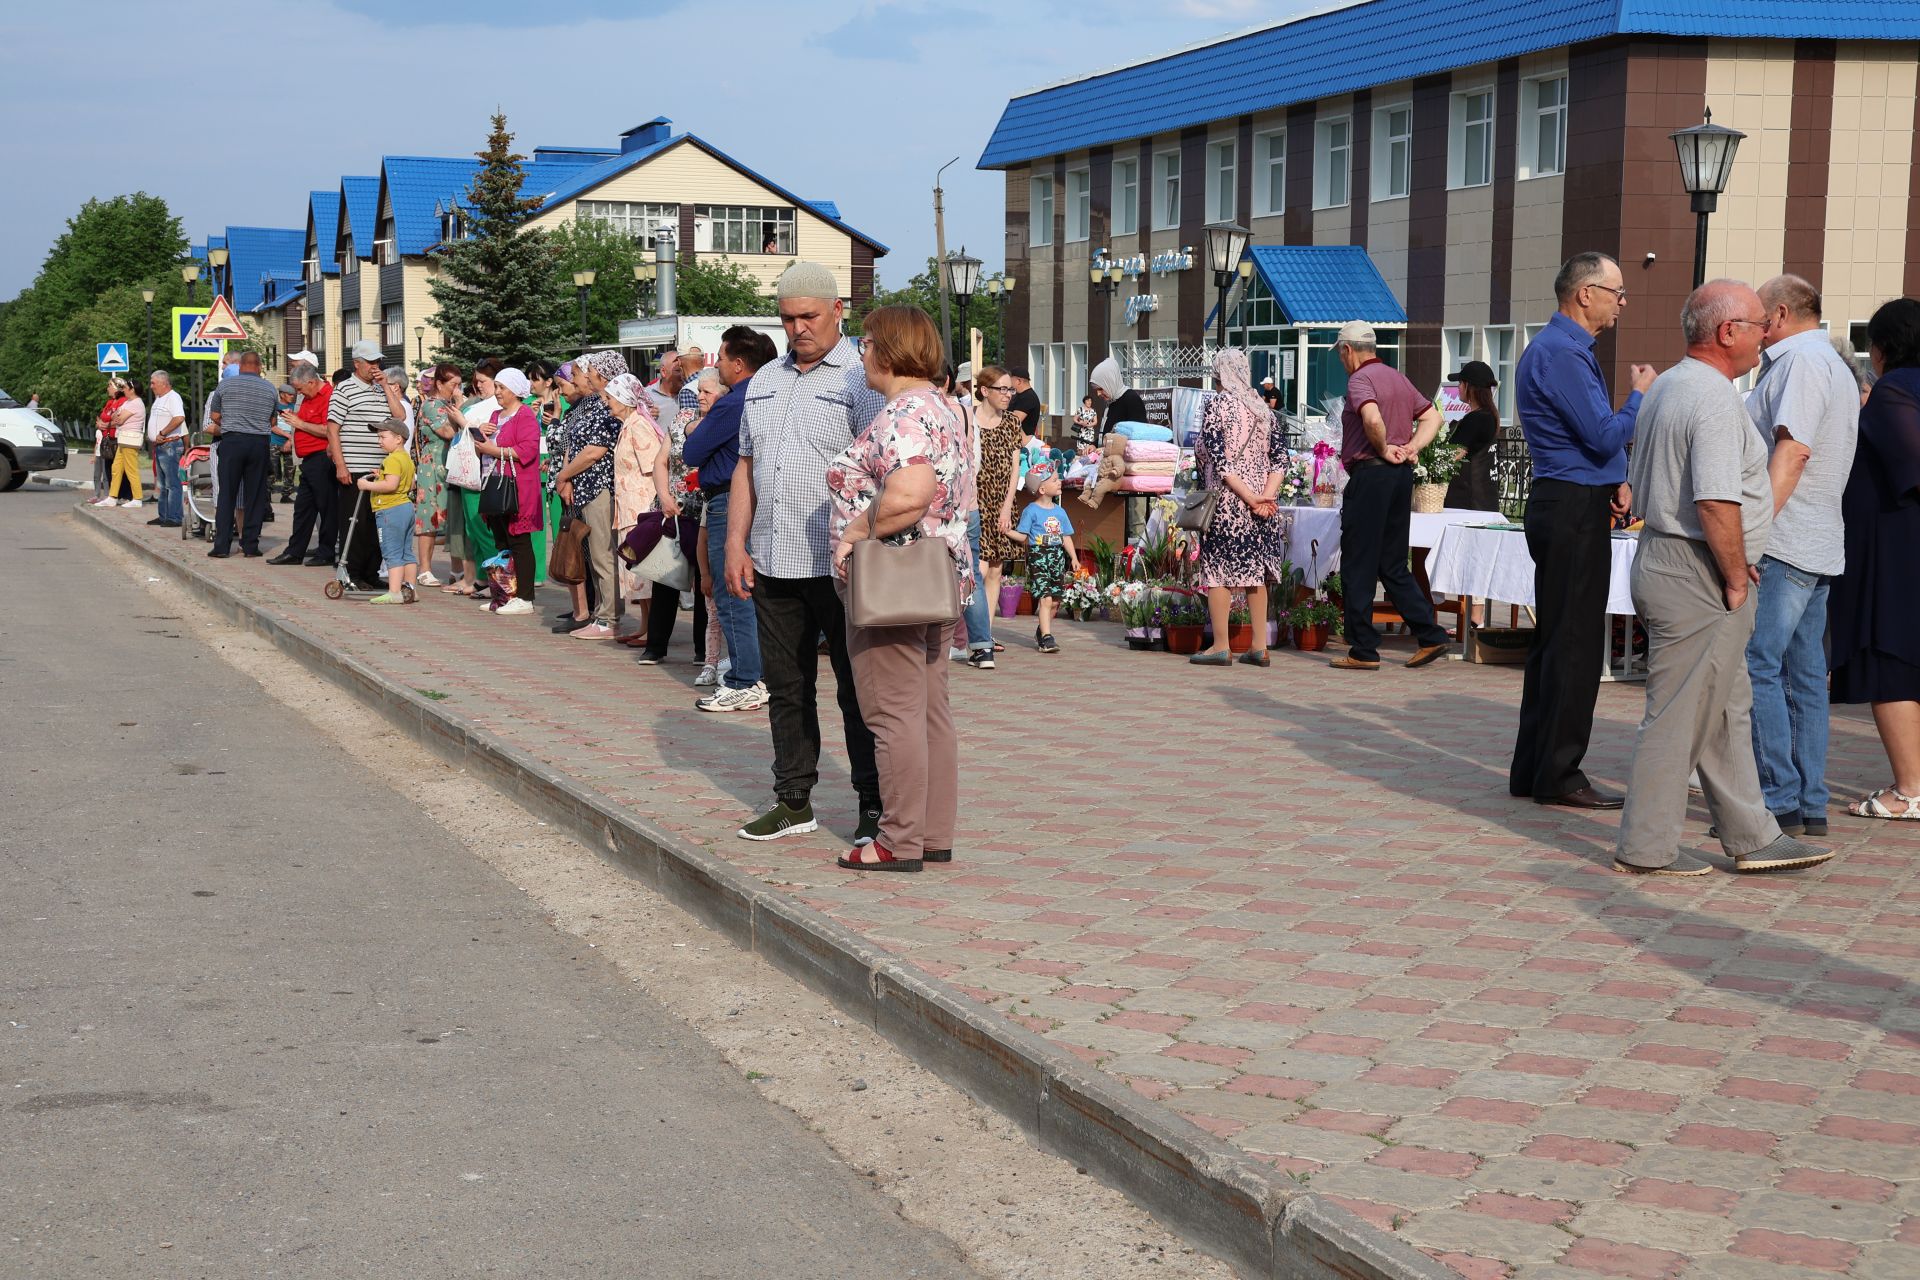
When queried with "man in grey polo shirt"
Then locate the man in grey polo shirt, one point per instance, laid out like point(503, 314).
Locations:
point(1699, 478)
point(1806, 407)
point(241, 412)
point(801, 412)
point(359, 406)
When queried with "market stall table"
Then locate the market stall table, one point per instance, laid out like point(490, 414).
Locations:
point(1313, 536)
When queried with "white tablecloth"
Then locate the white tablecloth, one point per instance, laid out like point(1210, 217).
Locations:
point(1322, 524)
point(1494, 564)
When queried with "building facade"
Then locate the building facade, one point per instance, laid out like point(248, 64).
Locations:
point(1469, 148)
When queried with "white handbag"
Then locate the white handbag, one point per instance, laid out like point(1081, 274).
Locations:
point(666, 564)
point(463, 463)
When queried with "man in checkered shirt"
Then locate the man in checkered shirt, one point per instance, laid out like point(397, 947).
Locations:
point(801, 412)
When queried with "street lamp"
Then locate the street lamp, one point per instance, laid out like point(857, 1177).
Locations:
point(217, 259)
point(1000, 289)
point(191, 273)
point(1106, 279)
point(420, 345)
point(963, 274)
point(583, 281)
point(644, 274)
point(146, 296)
point(1706, 160)
point(1226, 245)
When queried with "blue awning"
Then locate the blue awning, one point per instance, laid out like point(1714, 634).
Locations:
point(1326, 284)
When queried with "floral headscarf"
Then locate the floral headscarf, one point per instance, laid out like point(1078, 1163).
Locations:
point(626, 389)
point(608, 364)
point(1233, 377)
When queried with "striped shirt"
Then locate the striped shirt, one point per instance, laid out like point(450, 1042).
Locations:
point(797, 423)
point(247, 403)
point(358, 408)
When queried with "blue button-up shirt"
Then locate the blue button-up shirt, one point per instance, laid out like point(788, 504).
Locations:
point(1572, 431)
point(713, 447)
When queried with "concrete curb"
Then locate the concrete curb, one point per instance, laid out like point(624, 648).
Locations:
point(1219, 1198)
point(58, 482)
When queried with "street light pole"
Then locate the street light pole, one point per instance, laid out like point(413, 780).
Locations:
point(1000, 289)
point(963, 274)
point(1706, 154)
point(146, 296)
point(1226, 245)
point(1105, 277)
point(420, 345)
point(583, 281)
point(643, 277)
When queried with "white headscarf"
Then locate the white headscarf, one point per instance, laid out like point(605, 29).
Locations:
point(1106, 376)
point(1233, 377)
point(626, 389)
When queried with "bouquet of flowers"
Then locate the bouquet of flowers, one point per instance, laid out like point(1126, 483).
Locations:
point(1326, 470)
point(1296, 481)
point(1133, 600)
point(1438, 463)
point(1081, 595)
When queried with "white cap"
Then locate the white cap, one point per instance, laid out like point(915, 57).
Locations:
point(964, 373)
point(367, 349)
point(303, 356)
point(1357, 332)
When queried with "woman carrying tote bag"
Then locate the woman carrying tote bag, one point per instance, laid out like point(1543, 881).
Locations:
point(897, 490)
point(514, 443)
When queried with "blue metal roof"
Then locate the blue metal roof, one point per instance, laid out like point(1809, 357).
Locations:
point(258, 252)
point(416, 188)
point(360, 212)
point(1381, 42)
point(1326, 284)
point(827, 207)
point(286, 289)
point(323, 212)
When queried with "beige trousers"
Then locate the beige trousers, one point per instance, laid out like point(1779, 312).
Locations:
point(1699, 708)
point(606, 584)
point(900, 674)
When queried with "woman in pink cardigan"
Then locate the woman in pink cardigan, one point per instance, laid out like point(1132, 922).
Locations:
point(514, 440)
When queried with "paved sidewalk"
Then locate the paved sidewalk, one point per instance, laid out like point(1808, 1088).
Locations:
point(1298, 907)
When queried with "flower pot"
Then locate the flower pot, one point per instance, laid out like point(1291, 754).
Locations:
point(1325, 498)
point(1429, 498)
point(1310, 639)
point(1184, 639)
point(1025, 607)
point(1240, 636)
point(1009, 598)
point(1143, 637)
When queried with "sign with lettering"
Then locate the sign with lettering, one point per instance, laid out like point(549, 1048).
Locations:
point(1139, 264)
point(1139, 304)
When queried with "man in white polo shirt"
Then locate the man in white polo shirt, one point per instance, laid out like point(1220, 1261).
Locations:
point(167, 436)
point(360, 404)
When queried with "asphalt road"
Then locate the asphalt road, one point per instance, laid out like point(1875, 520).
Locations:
point(258, 1017)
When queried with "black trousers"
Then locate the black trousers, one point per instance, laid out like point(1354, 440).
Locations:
point(791, 614)
point(244, 463)
point(361, 555)
point(520, 547)
point(1568, 535)
point(663, 610)
point(1376, 518)
point(315, 502)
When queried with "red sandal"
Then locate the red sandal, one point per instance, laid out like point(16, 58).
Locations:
point(884, 862)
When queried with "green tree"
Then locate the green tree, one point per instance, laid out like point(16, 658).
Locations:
point(718, 287)
point(501, 291)
point(922, 290)
point(69, 385)
point(590, 244)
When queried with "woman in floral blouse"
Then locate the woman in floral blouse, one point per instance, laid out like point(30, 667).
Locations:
point(899, 480)
point(639, 484)
point(438, 423)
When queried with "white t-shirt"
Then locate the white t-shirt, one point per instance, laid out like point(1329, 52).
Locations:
point(163, 411)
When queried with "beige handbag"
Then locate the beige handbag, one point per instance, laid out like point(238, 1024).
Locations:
point(909, 585)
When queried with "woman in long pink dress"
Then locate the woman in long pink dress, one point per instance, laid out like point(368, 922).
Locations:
point(513, 440)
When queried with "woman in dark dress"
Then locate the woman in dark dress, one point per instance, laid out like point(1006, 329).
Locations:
point(1474, 488)
point(1123, 403)
point(1875, 612)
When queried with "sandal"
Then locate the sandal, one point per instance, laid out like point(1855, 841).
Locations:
point(884, 862)
point(638, 640)
point(455, 588)
point(1872, 808)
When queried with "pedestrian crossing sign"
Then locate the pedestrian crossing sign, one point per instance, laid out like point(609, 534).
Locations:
point(111, 357)
point(186, 320)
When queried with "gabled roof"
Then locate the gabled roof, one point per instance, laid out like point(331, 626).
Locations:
point(574, 155)
point(359, 211)
point(323, 226)
point(417, 188)
point(585, 180)
point(1326, 284)
point(1356, 46)
point(258, 252)
point(286, 289)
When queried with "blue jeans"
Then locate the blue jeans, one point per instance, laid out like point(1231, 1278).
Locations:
point(167, 459)
point(1788, 665)
point(737, 622)
point(979, 623)
point(395, 526)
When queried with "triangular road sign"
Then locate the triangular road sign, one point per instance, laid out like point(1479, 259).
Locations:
point(221, 324)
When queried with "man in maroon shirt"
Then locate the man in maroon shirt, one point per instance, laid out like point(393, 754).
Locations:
point(314, 500)
point(1383, 428)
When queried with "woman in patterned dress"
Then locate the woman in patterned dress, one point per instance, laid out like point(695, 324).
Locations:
point(1000, 438)
point(439, 423)
point(639, 480)
point(1241, 457)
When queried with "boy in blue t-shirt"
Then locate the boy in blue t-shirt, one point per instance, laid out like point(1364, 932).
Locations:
point(1048, 533)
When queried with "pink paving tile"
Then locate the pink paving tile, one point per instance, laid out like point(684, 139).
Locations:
point(1467, 1033)
point(1798, 1095)
point(1410, 1077)
point(1632, 1261)
point(1496, 1204)
point(1675, 1055)
point(1353, 1122)
point(1219, 1055)
point(1903, 1082)
point(1636, 1100)
point(1470, 1267)
point(1490, 1110)
point(1568, 1150)
point(1355, 1046)
point(1276, 1014)
point(1439, 1164)
point(1544, 1064)
point(1860, 1129)
point(1719, 1137)
point(1661, 1194)
point(1794, 1250)
point(1837, 1186)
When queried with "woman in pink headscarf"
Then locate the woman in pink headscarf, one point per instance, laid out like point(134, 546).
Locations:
point(1241, 457)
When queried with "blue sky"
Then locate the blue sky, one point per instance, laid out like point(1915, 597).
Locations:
point(233, 112)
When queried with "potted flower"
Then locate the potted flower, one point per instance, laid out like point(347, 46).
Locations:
point(1011, 590)
point(1311, 623)
point(1186, 623)
point(1239, 624)
point(1081, 597)
point(1330, 587)
point(1135, 603)
point(1434, 467)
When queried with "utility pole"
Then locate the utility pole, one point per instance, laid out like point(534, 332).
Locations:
point(940, 256)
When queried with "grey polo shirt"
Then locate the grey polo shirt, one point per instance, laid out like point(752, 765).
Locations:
point(1807, 388)
point(793, 426)
point(247, 404)
point(1694, 443)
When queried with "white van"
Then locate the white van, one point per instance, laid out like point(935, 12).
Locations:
point(28, 442)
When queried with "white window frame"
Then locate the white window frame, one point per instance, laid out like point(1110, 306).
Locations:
point(1126, 197)
point(1332, 179)
point(1223, 180)
point(384, 253)
point(349, 330)
point(1270, 173)
point(1076, 372)
point(393, 326)
point(1465, 125)
point(1166, 190)
point(638, 219)
point(1040, 209)
point(1392, 153)
point(1503, 363)
point(1056, 384)
point(1535, 121)
point(1037, 367)
point(740, 229)
point(1079, 204)
point(350, 262)
point(310, 269)
point(1461, 346)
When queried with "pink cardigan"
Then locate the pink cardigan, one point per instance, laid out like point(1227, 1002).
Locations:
point(521, 435)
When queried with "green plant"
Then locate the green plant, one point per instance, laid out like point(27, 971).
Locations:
point(1186, 610)
point(433, 695)
point(1330, 586)
point(1438, 463)
point(1238, 612)
point(1106, 561)
point(1317, 612)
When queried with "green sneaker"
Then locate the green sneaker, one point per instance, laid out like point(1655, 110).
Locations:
point(780, 821)
point(869, 829)
point(385, 597)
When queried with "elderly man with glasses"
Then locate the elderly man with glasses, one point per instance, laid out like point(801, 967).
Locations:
point(1578, 444)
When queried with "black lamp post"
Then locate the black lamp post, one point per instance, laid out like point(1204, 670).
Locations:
point(644, 274)
point(420, 345)
point(963, 275)
point(1226, 245)
point(1706, 160)
point(146, 296)
point(217, 259)
point(583, 281)
point(191, 273)
point(1105, 277)
point(1000, 290)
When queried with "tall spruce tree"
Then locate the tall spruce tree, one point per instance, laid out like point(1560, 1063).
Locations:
point(500, 289)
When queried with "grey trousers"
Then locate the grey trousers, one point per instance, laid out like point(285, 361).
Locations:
point(1699, 708)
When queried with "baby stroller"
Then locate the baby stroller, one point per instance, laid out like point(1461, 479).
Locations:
point(342, 585)
point(199, 490)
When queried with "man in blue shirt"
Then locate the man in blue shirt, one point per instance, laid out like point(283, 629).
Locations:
point(713, 449)
point(1578, 443)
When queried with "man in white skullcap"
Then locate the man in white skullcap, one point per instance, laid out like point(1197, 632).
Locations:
point(806, 407)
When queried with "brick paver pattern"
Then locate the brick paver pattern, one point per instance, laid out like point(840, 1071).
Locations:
point(1297, 907)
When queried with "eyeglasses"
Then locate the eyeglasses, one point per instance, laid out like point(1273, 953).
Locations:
point(1006, 387)
point(1618, 293)
point(1761, 325)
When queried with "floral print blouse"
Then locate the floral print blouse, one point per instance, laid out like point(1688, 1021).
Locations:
point(633, 457)
point(915, 427)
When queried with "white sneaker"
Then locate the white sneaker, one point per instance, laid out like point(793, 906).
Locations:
point(107, 502)
point(134, 505)
point(749, 699)
point(956, 655)
point(516, 606)
point(707, 676)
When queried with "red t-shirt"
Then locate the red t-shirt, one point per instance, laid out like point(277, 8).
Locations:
point(313, 410)
point(1378, 383)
